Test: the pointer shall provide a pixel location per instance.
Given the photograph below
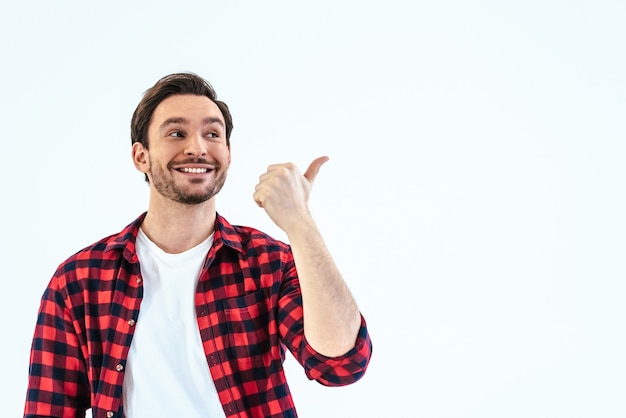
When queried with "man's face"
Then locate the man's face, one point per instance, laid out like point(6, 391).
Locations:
point(188, 157)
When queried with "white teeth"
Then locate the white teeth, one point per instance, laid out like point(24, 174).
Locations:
point(194, 170)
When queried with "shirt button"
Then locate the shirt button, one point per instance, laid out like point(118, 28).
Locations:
point(110, 414)
point(131, 322)
point(138, 279)
point(119, 367)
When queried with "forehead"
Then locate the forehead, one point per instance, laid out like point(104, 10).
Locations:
point(186, 106)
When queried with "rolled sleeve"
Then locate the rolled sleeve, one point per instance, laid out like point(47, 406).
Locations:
point(342, 370)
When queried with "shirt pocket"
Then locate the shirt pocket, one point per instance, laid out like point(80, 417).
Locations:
point(248, 329)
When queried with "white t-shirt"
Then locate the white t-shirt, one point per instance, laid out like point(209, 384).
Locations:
point(167, 374)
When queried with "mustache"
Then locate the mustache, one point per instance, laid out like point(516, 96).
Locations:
point(196, 161)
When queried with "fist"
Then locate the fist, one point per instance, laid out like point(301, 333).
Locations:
point(284, 192)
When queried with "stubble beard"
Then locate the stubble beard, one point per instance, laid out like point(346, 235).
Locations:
point(164, 184)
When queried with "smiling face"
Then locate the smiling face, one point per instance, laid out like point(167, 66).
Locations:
point(188, 155)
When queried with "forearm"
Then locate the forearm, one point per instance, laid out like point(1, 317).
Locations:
point(331, 316)
point(57, 374)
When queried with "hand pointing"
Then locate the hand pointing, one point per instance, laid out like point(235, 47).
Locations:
point(314, 168)
point(284, 192)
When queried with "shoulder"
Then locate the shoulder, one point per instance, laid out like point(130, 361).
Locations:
point(246, 238)
point(106, 254)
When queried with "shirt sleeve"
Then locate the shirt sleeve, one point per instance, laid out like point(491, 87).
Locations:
point(57, 381)
point(329, 371)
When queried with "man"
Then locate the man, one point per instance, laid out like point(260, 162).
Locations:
point(182, 314)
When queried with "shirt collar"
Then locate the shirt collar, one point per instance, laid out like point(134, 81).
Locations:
point(225, 234)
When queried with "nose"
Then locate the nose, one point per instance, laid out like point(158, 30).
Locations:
point(195, 146)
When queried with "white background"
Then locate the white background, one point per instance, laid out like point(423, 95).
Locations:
point(474, 199)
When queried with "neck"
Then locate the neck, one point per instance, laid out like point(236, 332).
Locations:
point(175, 227)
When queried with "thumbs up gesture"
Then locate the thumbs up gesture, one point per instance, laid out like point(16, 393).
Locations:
point(284, 193)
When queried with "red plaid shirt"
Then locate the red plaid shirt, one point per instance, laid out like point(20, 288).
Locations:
point(248, 306)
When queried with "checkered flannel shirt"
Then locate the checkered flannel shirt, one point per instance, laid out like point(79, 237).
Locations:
point(248, 307)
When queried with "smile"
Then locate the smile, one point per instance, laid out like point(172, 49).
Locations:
point(194, 170)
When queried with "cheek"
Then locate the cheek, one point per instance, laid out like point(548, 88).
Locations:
point(224, 155)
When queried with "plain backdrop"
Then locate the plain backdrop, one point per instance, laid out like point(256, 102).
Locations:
point(474, 199)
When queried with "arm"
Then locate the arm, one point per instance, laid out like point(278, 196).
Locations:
point(331, 317)
point(57, 381)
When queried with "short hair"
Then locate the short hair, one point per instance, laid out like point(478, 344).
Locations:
point(178, 83)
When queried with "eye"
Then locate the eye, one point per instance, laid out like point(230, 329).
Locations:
point(176, 134)
point(213, 135)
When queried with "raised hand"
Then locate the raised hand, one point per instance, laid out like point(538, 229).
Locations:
point(284, 193)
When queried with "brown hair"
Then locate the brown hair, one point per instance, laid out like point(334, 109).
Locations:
point(179, 83)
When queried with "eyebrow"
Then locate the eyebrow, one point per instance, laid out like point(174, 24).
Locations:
point(179, 120)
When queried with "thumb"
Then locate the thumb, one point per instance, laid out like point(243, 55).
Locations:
point(314, 168)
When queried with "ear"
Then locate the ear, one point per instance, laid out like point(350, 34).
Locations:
point(140, 157)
